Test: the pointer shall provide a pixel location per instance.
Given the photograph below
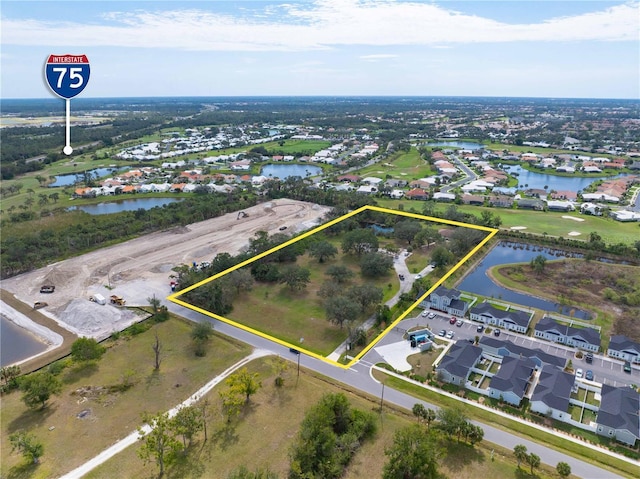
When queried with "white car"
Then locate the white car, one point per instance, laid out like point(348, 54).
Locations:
point(424, 314)
point(431, 315)
point(579, 373)
point(418, 276)
point(449, 335)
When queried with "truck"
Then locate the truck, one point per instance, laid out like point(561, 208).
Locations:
point(98, 298)
point(117, 300)
point(47, 288)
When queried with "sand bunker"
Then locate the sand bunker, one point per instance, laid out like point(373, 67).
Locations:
point(573, 233)
point(518, 228)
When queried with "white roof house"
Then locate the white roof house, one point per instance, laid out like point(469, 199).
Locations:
point(372, 180)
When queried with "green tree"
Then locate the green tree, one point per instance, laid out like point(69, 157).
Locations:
point(339, 273)
point(187, 423)
point(406, 230)
point(452, 421)
point(365, 295)
point(27, 445)
point(86, 349)
point(295, 277)
point(154, 302)
point(245, 383)
point(232, 403)
point(240, 280)
point(564, 469)
point(341, 310)
point(38, 388)
point(322, 250)
point(9, 376)
point(538, 264)
point(374, 265)
point(360, 241)
point(441, 257)
point(200, 337)
point(413, 454)
point(243, 473)
point(520, 451)
point(158, 444)
point(534, 461)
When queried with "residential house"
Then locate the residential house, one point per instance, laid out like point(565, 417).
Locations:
point(552, 392)
point(372, 180)
point(503, 347)
point(625, 215)
point(558, 205)
point(473, 200)
point(367, 189)
point(448, 300)
point(440, 196)
point(513, 320)
point(456, 365)
point(581, 338)
point(530, 204)
point(618, 416)
point(417, 194)
point(349, 178)
point(512, 381)
point(500, 201)
point(622, 347)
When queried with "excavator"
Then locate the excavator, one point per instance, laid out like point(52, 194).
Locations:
point(242, 214)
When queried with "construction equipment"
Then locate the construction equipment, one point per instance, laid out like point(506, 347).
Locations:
point(242, 214)
point(39, 304)
point(117, 300)
point(97, 298)
point(47, 288)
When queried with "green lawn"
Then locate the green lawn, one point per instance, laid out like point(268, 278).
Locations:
point(406, 166)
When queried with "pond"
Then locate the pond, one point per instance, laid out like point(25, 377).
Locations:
point(73, 178)
point(16, 343)
point(552, 182)
point(465, 145)
point(124, 205)
point(285, 171)
point(478, 282)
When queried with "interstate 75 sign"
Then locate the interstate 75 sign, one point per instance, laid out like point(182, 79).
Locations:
point(67, 75)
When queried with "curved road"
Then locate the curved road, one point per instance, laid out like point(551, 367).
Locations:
point(359, 377)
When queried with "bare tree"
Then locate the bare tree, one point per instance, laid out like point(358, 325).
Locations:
point(157, 349)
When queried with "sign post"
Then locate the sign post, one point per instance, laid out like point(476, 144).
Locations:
point(67, 75)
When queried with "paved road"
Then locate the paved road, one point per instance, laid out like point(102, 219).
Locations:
point(359, 377)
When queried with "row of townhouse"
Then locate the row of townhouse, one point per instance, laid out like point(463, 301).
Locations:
point(541, 378)
point(588, 339)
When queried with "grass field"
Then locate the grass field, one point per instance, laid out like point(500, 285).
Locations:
point(406, 166)
point(262, 437)
point(541, 222)
point(69, 441)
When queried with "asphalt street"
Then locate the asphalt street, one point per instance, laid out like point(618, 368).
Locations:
point(359, 377)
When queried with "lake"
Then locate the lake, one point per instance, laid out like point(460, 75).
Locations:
point(17, 343)
point(478, 282)
point(124, 205)
point(73, 178)
point(553, 182)
point(286, 171)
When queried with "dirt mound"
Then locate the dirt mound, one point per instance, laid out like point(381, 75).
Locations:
point(94, 320)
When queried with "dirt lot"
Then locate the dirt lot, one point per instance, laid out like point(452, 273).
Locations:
point(140, 268)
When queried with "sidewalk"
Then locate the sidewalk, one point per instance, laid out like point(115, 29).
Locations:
point(134, 436)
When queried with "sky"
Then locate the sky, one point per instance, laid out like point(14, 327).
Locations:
point(516, 48)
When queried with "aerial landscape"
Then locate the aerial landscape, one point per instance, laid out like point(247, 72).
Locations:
point(320, 239)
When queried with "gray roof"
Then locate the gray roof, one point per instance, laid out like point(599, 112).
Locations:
point(513, 375)
point(460, 359)
point(449, 293)
point(539, 356)
point(457, 304)
point(590, 335)
point(520, 318)
point(619, 409)
point(554, 388)
point(619, 342)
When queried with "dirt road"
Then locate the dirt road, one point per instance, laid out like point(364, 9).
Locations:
point(140, 268)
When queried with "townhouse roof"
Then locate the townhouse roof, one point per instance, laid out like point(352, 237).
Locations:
point(620, 409)
point(619, 342)
point(513, 375)
point(554, 388)
point(588, 335)
point(521, 318)
point(512, 349)
point(462, 356)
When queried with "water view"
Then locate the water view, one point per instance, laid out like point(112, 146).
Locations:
point(285, 171)
point(504, 253)
point(124, 205)
point(73, 178)
point(16, 343)
point(532, 179)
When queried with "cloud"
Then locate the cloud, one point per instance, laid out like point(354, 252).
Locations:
point(323, 24)
point(377, 57)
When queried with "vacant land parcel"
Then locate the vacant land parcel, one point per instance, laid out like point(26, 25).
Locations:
point(318, 289)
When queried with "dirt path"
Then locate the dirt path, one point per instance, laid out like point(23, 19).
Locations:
point(140, 268)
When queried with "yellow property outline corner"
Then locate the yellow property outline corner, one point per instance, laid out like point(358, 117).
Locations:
point(174, 297)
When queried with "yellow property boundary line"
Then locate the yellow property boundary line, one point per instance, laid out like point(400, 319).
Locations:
point(174, 297)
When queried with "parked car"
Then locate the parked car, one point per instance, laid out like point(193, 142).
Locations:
point(424, 313)
point(418, 276)
point(627, 367)
point(401, 276)
point(579, 373)
point(588, 375)
point(431, 315)
point(459, 323)
point(450, 335)
point(452, 320)
point(480, 328)
point(496, 332)
point(442, 333)
point(589, 358)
